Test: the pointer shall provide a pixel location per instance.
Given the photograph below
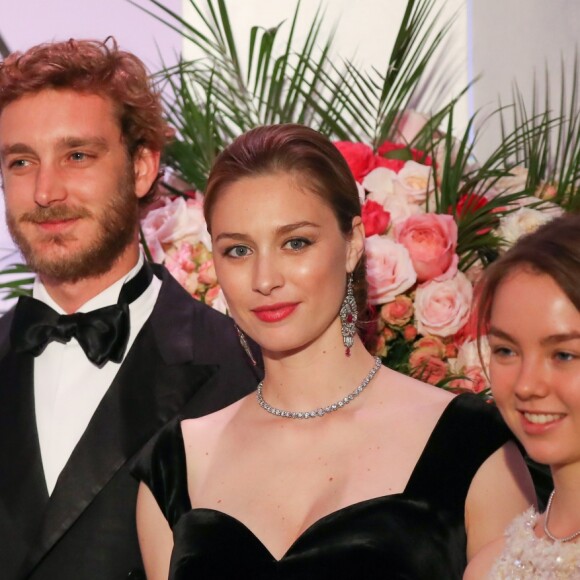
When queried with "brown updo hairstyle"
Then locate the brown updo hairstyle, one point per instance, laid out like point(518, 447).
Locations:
point(553, 249)
point(306, 154)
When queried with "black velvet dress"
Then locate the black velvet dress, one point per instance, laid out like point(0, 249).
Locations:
point(416, 534)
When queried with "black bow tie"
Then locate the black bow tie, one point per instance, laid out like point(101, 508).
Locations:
point(103, 333)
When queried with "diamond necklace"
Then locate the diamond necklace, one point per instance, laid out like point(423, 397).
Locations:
point(547, 531)
point(323, 410)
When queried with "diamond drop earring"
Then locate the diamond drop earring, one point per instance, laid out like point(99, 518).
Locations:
point(245, 345)
point(348, 317)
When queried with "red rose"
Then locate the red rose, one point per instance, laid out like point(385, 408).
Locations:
point(404, 153)
point(393, 164)
point(469, 203)
point(359, 157)
point(375, 219)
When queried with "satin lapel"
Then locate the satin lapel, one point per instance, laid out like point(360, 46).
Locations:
point(145, 394)
point(23, 490)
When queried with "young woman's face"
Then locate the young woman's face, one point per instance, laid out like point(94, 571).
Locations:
point(535, 365)
point(282, 262)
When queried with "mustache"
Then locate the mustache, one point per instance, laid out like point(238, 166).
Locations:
point(41, 214)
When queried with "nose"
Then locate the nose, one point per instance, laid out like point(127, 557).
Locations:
point(267, 275)
point(532, 380)
point(49, 187)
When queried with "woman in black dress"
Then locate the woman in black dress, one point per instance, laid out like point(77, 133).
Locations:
point(387, 477)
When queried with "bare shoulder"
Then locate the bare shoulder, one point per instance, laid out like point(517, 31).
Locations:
point(406, 392)
point(214, 423)
point(410, 407)
point(481, 564)
point(487, 512)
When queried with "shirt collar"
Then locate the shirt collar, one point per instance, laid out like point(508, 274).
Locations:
point(107, 297)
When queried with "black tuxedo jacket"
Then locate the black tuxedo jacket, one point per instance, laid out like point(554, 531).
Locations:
point(186, 360)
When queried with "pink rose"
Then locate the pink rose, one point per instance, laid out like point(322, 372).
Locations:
point(182, 255)
point(375, 219)
point(430, 345)
point(377, 345)
point(174, 221)
point(359, 157)
point(427, 368)
point(398, 312)
point(473, 379)
point(185, 276)
point(442, 307)
point(431, 240)
point(389, 269)
point(409, 124)
point(389, 334)
point(215, 298)
point(409, 333)
point(206, 274)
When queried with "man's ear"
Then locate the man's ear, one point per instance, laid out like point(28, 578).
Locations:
point(146, 167)
point(356, 244)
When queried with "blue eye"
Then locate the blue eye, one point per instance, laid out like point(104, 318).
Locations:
point(18, 163)
point(297, 243)
point(564, 356)
point(238, 251)
point(78, 156)
point(502, 351)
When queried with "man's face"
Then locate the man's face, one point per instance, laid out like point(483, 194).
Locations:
point(69, 184)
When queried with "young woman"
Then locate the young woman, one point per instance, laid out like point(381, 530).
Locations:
point(530, 308)
point(386, 476)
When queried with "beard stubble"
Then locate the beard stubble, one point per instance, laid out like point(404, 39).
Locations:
point(116, 223)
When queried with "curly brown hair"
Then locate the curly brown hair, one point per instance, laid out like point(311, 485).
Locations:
point(95, 67)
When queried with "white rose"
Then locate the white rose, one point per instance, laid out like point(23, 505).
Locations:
point(400, 208)
point(379, 183)
point(547, 207)
point(468, 354)
point(361, 193)
point(520, 222)
point(415, 181)
point(512, 183)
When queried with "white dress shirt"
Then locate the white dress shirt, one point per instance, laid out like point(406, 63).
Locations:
point(67, 386)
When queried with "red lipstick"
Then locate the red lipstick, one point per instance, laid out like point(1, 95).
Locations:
point(275, 312)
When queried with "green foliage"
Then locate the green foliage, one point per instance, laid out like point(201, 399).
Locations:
point(213, 98)
point(551, 152)
point(20, 286)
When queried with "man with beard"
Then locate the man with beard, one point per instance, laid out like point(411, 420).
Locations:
point(110, 348)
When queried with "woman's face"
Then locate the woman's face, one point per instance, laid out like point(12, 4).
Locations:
point(281, 261)
point(535, 365)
